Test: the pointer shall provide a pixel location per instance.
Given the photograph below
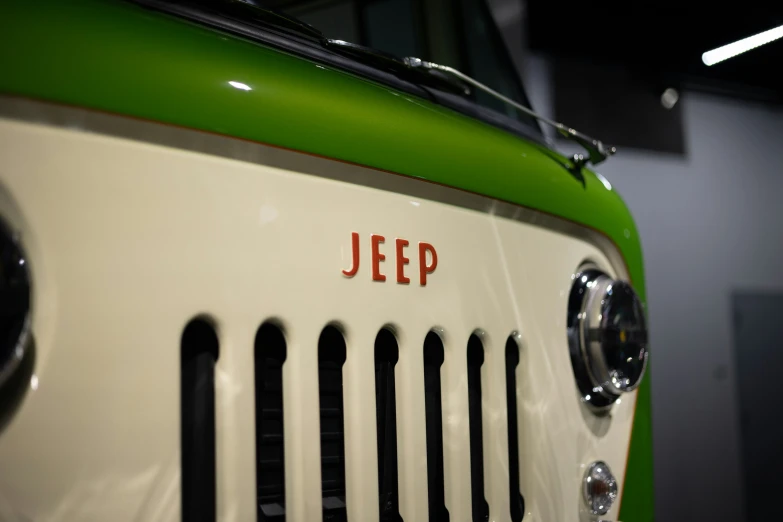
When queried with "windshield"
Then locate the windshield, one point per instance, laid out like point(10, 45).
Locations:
point(457, 33)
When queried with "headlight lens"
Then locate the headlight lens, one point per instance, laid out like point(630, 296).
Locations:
point(624, 333)
point(607, 337)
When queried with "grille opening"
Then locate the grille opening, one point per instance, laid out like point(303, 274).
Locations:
point(433, 412)
point(479, 506)
point(270, 354)
point(517, 501)
point(386, 356)
point(331, 357)
point(199, 352)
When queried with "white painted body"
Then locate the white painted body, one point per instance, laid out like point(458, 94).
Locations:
point(128, 240)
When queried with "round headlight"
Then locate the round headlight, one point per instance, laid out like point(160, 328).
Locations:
point(14, 303)
point(607, 337)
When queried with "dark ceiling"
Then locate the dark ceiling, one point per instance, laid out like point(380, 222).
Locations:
point(664, 41)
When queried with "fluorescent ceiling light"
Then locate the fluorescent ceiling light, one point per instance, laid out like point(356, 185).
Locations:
point(740, 46)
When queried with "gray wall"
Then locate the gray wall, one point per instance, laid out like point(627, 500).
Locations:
point(711, 223)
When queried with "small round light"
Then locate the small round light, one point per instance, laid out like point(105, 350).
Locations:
point(599, 488)
point(669, 98)
point(607, 335)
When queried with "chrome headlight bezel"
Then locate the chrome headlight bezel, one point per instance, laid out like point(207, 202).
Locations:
point(607, 337)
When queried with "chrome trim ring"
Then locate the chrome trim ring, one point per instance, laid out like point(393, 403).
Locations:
point(614, 334)
point(607, 337)
point(592, 352)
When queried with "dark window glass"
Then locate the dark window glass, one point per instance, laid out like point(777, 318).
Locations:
point(389, 26)
point(488, 60)
point(336, 20)
point(459, 33)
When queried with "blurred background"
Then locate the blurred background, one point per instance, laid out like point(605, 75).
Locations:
point(700, 168)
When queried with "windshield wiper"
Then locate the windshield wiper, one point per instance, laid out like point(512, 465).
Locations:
point(240, 16)
point(443, 76)
point(398, 66)
point(596, 150)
